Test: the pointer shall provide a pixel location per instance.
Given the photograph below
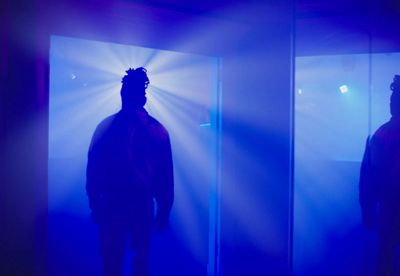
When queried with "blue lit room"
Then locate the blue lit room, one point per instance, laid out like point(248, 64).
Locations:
point(199, 138)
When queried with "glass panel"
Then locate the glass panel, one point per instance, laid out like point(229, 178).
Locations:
point(331, 125)
point(85, 82)
point(340, 101)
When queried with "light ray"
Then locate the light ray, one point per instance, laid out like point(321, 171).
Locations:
point(179, 96)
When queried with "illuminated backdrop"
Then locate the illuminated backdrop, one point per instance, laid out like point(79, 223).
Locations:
point(85, 81)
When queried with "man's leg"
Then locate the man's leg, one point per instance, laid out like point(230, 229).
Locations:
point(141, 237)
point(385, 257)
point(141, 259)
point(112, 247)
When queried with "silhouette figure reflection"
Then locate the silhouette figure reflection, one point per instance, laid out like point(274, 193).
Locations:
point(129, 166)
point(380, 185)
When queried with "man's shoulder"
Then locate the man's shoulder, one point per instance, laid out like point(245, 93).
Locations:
point(387, 128)
point(386, 134)
point(157, 129)
point(108, 120)
point(106, 123)
point(382, 130)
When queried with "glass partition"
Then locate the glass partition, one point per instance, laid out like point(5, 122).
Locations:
point(339, 101)
point(85, 83)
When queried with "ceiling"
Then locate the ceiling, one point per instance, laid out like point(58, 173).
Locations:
point(320, 24)
point(304, 8)
point(235, 10)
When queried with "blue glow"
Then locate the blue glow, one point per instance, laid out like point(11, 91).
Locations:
point(181, 96)
point(331, 131)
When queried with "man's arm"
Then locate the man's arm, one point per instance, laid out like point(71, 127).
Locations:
point(94, 170)
point(371, 175)
point(164, 193)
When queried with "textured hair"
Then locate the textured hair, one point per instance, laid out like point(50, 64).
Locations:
point(133, 91)
point(136, 77)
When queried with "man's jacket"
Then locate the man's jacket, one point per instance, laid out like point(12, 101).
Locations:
point(380, 178)
point(130, 165)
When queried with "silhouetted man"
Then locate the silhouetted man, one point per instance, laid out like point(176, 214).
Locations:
point(380, 184)
point(129, 166)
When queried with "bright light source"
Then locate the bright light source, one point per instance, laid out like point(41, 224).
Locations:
point(344, 89)
point(300, 91)
point(180, 105)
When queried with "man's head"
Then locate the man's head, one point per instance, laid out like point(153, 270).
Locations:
point(133, 91)
point(395, 97)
